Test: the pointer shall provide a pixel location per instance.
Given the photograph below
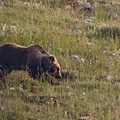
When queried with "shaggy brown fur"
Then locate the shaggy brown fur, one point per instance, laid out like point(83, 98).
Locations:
point(33, 58)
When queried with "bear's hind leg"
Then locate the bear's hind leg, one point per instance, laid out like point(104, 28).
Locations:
point(2, 78)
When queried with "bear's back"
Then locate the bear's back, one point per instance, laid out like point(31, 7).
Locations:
point(11, 50)
point(10, 47)
point(11, 55)
point(37, 50)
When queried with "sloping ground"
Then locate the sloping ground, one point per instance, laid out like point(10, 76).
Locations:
point(84, 36)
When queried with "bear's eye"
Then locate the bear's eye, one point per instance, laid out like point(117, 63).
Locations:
point(57, 69)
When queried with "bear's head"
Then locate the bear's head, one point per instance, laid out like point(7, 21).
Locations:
point(50, 64)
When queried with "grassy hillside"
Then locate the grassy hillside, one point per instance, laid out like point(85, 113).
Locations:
point(85, 38)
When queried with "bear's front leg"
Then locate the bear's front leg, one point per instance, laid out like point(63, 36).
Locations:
point(34, 72)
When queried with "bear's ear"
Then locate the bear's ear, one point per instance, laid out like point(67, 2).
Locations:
point(52, 58)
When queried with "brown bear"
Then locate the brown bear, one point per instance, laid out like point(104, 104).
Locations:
point(33, 58)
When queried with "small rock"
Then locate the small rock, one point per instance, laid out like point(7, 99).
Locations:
point(2, 108)
point(109, 78)
point(89, 44)
point(12, 88)
point(83, 93)
point(82, 59)
point(88, 5)
point(71, 94)
point(85, 118)
point(76, 56)
point(20, 90)
point(89, 19)
point(1, 93)
point(68, 7)
point(27, 4)
point(96, 90)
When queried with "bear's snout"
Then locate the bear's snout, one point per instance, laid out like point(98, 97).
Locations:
point(58, 75)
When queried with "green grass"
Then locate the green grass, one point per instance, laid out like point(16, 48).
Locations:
point(89, 55)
